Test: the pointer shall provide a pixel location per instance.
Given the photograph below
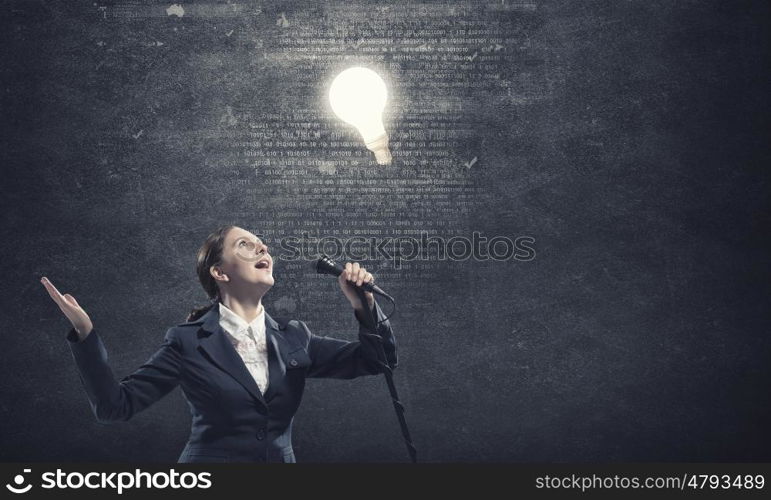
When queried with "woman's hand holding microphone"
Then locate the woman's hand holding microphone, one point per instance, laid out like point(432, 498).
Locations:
point(70, 307)
point(354, 273)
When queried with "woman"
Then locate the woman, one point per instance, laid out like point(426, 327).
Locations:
point(241, 371)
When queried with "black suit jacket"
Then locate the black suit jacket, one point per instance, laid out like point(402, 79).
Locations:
point(231, 419)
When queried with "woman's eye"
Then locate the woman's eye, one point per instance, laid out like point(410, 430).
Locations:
point(248, 244)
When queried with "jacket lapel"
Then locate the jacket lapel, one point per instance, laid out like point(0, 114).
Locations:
point(223, 354)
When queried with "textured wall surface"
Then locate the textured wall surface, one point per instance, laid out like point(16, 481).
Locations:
point(623, 140)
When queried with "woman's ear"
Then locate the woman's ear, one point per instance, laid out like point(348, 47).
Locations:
point(217, 274)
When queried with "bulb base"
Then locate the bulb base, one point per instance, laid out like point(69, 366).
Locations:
point(379, 146)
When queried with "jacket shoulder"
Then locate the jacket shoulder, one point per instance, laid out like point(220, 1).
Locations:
point(183, 330)
point(197, 322)
point(294, 330)
point(287, 324)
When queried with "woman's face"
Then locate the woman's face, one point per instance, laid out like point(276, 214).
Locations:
point(245, 260)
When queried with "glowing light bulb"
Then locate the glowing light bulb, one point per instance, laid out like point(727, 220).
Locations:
point(358, 96)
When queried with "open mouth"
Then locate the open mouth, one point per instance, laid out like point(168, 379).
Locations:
point(263, 265)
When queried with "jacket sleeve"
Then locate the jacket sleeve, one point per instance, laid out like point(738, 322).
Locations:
point(337, 358)
point(113, 400)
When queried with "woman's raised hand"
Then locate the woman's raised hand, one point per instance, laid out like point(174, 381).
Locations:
point(355, 274)
point(70, 307)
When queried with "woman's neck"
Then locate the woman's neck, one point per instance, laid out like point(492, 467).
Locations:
point(248, 308)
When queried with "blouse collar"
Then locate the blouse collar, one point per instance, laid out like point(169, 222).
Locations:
point(236, 324)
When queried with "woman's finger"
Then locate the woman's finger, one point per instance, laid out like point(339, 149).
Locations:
point(70, 307)
point(53, 292)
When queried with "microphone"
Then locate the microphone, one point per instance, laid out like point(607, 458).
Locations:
point(325, 265)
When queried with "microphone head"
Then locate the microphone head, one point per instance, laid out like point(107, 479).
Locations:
point(325, 265)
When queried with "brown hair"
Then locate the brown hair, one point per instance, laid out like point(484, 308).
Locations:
point(209, 255)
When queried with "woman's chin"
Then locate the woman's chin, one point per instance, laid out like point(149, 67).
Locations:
point(267, 280)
